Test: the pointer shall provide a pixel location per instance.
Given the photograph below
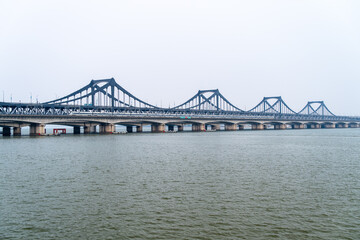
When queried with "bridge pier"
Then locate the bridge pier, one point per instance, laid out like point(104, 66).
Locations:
point(231, 127)
point(129, 129)
point(6, 131)
point(280, 126)
point(107, 128)
point(17, 131)
point(88, 129)
point(158, 128)
point(342, 125)
point(215, 127)
point(328, 125)
point(37, 129)
point(180, 128)
point(76, 130)
point(198, 127)
point(257, 126)
point(313, 125)
point(297, 126)
point(139, 128)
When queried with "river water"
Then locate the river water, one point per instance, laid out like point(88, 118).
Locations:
point(291, 184)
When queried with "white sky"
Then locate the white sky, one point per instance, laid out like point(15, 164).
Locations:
point(165, 51)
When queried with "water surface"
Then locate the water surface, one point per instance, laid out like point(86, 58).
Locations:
point(291, 184)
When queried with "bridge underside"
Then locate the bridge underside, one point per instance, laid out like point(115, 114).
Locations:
point(37, 125)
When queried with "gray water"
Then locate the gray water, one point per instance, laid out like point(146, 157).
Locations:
point(292, 184)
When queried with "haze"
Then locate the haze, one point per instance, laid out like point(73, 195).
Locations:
point(165, 51)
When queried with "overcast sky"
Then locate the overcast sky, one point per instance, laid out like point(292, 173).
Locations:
point(165, 51)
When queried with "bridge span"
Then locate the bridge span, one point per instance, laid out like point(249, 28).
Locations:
point(103, 104)
point(105, 124)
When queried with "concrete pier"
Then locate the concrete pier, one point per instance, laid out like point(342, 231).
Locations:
point(328, 125)
point(231, 127)
point(313, 125)
point(215, 127)
point(17, 131)
point(158, 128)
point(257, 127)
point(280, 126)
point(6, 131)
point(298, 126)
point(106, 128)
point(342, 125)
point(139, 128)
point(180, 128)
point(76, 130)
point(129, 129)
point(198, 127)
point(37, 129)
point(88, 129)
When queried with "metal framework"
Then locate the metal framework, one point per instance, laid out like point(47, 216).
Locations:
point(105, 96)
point(215, 101)
point(316, 108)
point(279, 106)
point(105, 93)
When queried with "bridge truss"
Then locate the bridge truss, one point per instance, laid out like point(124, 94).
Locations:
point(208, 100)
point(316, 108)
point(106, 96)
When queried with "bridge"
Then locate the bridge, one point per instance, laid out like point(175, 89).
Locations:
point(102, 104)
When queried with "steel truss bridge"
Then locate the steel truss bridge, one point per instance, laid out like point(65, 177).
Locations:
point(104, 103)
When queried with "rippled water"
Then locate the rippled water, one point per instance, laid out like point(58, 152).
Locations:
point(293, 184)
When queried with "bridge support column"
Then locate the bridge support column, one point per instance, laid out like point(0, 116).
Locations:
point(37, 129)
point(329, 125)
point(257, 127)
point(313, 125)
point(107, 128)
point(231, 127)
point(89, 129)
point(180, 128)
point(198, 127)
point(129, 129)
point(342, 125)
point(17, 131)
point(280, 126)
point(139, 128)
point(158, 128)
point(76, 130)
point(6, 131)
point(298, 126)
point(215, 127)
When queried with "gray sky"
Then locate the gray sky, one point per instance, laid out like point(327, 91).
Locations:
point(164, 51)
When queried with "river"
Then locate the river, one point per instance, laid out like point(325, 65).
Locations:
point(290, 184)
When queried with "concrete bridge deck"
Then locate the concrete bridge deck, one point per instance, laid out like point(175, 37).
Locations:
point(106, 123)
